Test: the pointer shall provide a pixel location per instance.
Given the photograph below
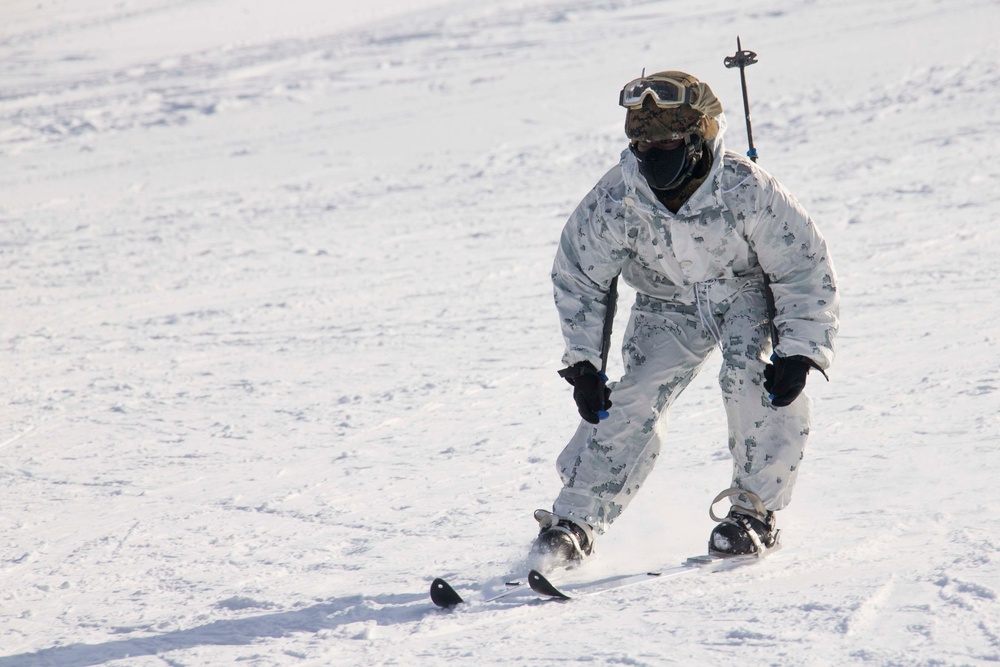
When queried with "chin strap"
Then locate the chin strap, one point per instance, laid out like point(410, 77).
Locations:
point(694, 149)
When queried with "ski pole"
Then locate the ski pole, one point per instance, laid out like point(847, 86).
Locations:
point(609, 322)
point(744, 59)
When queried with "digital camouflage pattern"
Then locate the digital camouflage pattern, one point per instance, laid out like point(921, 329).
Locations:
point(699, 275)
point(651, 123)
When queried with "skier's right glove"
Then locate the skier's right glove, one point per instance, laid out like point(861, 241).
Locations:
point(590, 391)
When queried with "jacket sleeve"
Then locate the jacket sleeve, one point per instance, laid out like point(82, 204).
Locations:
point(592, 250)
point(795, 257)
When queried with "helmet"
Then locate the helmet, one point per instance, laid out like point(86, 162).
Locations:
point(669, 105)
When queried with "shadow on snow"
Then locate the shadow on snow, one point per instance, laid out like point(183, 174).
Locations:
point(384, 610)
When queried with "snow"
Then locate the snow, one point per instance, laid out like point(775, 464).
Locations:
point(279, 342)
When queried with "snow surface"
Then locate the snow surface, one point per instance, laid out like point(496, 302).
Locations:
point(279, 344)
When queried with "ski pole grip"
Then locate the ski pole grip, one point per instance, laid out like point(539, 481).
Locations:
point(741, 59)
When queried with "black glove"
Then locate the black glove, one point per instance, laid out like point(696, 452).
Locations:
point(590, 391)
point(785, 378)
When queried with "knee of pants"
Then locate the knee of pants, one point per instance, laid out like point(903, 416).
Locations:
point(641, 394)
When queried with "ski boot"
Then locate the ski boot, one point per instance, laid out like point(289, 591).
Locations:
point(743, 531)
point(561, 543)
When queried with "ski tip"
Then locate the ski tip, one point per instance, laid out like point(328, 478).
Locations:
point(443, 595)
point(543, 586)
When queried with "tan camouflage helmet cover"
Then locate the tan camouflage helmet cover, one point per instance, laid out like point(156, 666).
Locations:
point(652, 123)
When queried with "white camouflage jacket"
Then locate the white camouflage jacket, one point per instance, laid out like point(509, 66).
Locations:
point(740, 223)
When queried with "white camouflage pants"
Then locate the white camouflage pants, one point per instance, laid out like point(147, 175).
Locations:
point(666, 344)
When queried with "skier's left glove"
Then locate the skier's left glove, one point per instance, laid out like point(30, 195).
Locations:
point(590, 391)
point(785, 378)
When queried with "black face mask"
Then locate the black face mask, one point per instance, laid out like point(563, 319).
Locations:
point(666, 169)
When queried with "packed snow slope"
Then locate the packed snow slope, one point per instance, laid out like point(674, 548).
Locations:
point(279, 348)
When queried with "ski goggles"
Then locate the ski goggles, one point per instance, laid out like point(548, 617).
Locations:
point(665, 91)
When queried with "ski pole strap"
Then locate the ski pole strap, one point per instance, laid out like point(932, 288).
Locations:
point(758, 504)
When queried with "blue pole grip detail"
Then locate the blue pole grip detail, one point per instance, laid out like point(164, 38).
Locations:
point(603, 414)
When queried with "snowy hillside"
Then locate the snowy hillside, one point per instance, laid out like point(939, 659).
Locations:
point(279, 344)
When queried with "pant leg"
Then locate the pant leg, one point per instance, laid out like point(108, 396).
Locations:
point(766, 443)
point(603, 466)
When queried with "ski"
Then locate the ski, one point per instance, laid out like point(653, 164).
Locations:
point(695, 565)
point(444, 595)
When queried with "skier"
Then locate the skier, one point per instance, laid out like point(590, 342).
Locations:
point(706, 238)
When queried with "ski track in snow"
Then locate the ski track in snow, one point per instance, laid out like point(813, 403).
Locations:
point(280, 343)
